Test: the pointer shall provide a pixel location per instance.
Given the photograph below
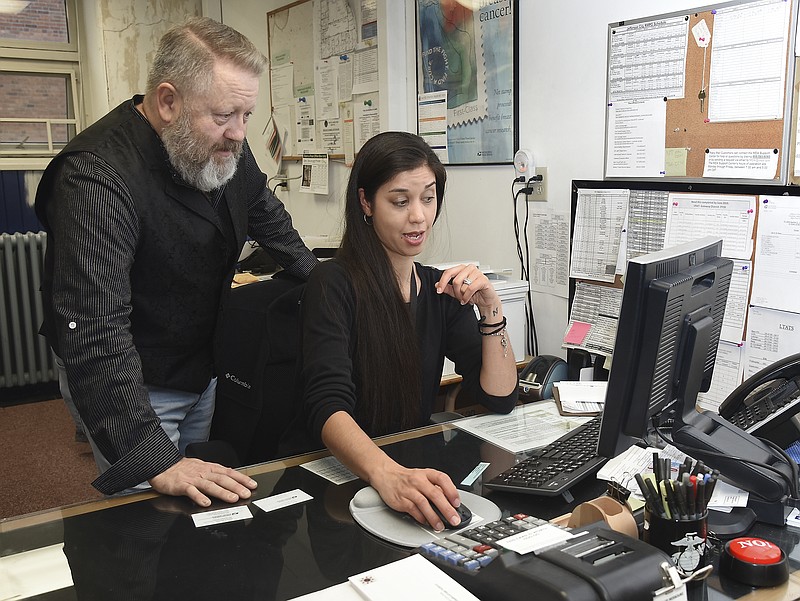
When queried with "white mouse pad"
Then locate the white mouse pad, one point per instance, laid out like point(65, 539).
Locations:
point(369, 510)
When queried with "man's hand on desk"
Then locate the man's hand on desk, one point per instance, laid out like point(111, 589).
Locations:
point(200, 480)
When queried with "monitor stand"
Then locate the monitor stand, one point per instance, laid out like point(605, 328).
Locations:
point(730, 525)
point(740, 519)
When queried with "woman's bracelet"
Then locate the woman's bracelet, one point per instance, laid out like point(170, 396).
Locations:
point(503, 340)
point(499, 325)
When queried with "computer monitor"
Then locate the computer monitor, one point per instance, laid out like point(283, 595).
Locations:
point(673, 303)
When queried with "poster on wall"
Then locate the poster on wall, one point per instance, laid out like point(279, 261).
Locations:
point(468, 49)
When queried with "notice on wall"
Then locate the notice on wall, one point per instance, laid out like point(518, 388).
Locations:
point(315, 174)
point(636, 138)
point(776, 282)
point(751, 163)
point(771, 335)
point(549, 270)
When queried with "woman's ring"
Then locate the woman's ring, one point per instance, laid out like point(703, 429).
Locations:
point(467, 281)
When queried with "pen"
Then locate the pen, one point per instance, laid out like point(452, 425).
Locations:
point(663, 488)
point(648, 497)
point(701, 503)
point(657, 508)
point(712, 482)
point(672, 502)
point(657, 466)
point(690, 495)
point(680, 496)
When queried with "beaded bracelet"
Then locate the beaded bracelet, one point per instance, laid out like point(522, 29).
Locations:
point(503, 340)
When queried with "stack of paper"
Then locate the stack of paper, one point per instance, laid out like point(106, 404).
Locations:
point(411, 578)
point(580, 398)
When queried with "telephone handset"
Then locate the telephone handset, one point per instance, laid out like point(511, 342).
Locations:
point(765, 403)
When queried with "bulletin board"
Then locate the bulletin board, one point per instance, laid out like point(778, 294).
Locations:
point(306, 35)
point(705, 142)
point(766, 254)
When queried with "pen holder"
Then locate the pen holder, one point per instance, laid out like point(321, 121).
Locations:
point(686, 541)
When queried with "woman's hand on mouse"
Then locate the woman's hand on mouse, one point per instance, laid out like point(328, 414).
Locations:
point(414, 490)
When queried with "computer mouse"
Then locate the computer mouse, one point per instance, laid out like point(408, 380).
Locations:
point(463, 512)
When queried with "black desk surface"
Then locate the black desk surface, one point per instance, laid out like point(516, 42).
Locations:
point(147, 546)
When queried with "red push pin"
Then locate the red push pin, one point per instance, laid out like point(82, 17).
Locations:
point(754, 561)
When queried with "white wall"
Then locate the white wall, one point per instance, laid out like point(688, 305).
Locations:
point(562, 50)
point(562, 97)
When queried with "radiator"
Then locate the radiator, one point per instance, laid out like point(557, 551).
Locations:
point(25, 357)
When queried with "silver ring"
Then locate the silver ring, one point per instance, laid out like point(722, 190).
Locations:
point(467, 281)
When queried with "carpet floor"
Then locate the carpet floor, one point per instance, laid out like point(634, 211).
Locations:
point(41, 465)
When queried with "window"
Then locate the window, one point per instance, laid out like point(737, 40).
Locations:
point(39, 70)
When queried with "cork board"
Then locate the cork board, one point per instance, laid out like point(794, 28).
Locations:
point(687, 127)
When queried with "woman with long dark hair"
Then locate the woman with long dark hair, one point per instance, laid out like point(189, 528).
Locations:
point(377, 326)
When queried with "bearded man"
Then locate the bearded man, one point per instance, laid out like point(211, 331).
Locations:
point(146, 212)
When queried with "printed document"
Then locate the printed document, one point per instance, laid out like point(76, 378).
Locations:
point(636, 138)
point(776, 281)
point(736, 305)
point(593, 318)
point(748, 61)
point(730, 217)
point(527, 427)
point(771, 335)
point(599, 218)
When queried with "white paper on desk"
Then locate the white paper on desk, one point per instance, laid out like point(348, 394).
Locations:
point(536, 539)
point(331, 469)
point(637, 460)
point(221, 516)
point(581, 397)
point(338, 592)
point(283, 499)
point(34, 572)
point(776, 281)
point(726, 496)
point(413, 577)
point(731, 217)
point(526, 427)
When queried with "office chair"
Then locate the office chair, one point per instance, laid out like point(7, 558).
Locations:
point(258, 344)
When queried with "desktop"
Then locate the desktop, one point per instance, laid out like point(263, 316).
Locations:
point(669, 326)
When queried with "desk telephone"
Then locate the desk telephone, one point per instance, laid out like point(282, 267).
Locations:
point(765, 404)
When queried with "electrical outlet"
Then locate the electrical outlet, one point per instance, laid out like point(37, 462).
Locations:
point(539, 188)
point(282, 177)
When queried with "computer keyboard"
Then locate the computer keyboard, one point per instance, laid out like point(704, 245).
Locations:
point(555, 468)
point(475, 548)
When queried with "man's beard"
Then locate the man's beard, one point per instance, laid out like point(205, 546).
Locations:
point(193, 157)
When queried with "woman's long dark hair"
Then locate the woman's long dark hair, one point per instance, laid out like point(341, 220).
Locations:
point(387, 360)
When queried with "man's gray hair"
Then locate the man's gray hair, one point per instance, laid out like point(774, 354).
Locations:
point(187, 53)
